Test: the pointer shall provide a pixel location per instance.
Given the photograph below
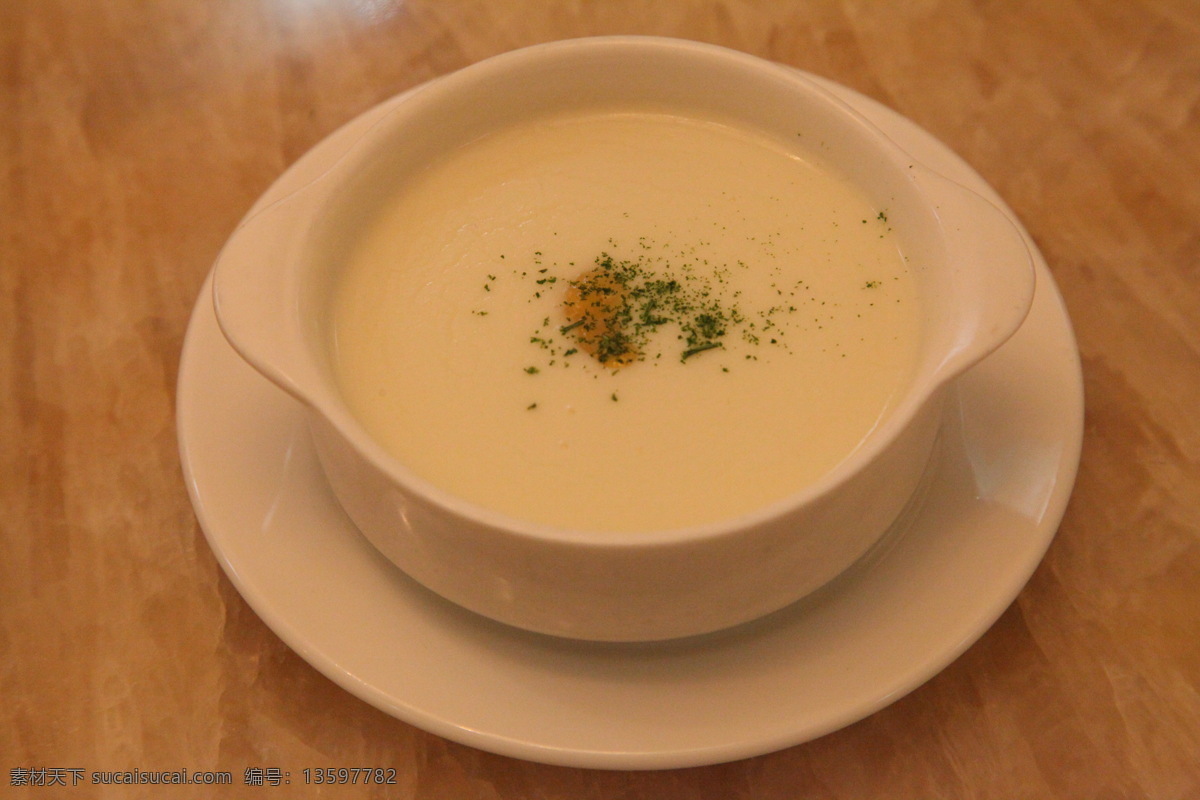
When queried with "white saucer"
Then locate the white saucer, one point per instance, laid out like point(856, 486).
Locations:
point(1000, 482)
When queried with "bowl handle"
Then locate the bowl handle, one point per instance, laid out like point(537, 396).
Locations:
point(992, 271)
point(257, 296)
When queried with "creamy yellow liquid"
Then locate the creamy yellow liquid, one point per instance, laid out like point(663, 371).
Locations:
point(448, 320)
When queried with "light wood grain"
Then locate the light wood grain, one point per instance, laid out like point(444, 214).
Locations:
point(133, 135)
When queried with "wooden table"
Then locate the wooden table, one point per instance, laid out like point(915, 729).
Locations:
point(134, 135)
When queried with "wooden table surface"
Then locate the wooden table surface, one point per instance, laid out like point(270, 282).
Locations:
point(134, 135)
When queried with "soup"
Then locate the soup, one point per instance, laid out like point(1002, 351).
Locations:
point(624, 321)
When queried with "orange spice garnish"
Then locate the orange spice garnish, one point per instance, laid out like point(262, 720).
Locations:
point(597, 310)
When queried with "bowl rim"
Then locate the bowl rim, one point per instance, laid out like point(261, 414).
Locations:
point(888, 428)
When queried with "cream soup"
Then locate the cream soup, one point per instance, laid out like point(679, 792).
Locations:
point(624, 321)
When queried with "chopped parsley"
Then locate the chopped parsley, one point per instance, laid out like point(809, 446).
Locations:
point(662, 301)
point(615, 308)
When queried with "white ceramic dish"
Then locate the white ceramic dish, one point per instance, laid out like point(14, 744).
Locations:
point(1001, 478)
point(273, 280)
